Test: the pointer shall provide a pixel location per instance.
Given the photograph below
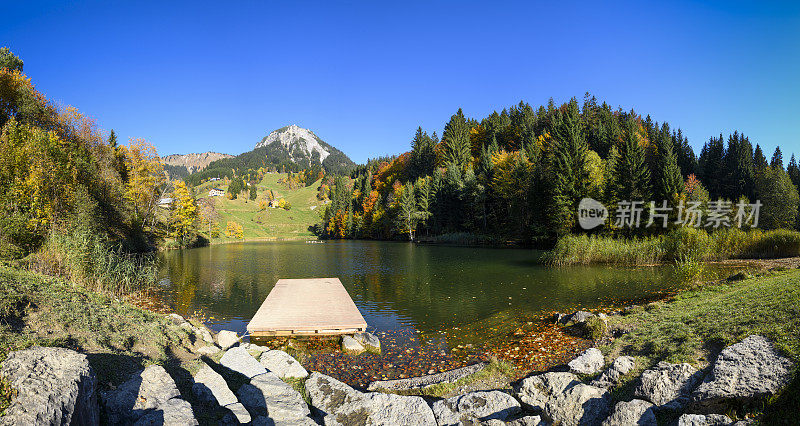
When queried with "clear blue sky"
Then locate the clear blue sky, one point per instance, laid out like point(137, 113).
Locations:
point(197, 76)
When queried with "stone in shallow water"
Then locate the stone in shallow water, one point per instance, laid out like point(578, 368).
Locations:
point(268, 395)
point(227, 338)
point(589, 361)
point(54, 386)
point(283, 365)
point(636, 412)
point(209, 386)
point(422, 382)
point(368, 340)
point(351, 345)
point(240, 361)
point(480, 405)
point(342, 405)
point(668, 385)
point(146, 390)
point(745, 371)
point(563, 399)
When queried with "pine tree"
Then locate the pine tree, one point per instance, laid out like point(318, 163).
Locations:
point(253, 191)
point(669, 181)
point(423, 155)
point(567, 167)
point(794, 171)
point(712, 166)
point(456, 147)
point(739, 172)
point(759, 160)
point(112, 139)
point(631, 180)
point(777, 159)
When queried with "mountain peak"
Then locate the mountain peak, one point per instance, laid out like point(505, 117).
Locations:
point(299, 142)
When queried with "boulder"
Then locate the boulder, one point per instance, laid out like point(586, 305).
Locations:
point(173, 412)
point(578, 317)
point(268, 395)
point(422, 382)
point(148, 390)
point(368, 340)
point(703, 420)
point(527, 421)
point(209, 386)
point(268, 421)
point(589, 361)
point(283, 365)
point(636, 412)
point(749, 370)
point(481, 405)
point(614, 373)
point(563, 399)
point(240, 361)
point(208, 350)
point(668, 385)
point(339, 404)
point(227, 338)
point(177, 319)
point(351, 345)
point(54, 386)
point(236, 414)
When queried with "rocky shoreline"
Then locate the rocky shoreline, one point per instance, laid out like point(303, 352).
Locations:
point(251, 384)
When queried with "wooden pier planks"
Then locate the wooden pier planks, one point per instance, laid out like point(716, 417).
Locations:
point(313, 306)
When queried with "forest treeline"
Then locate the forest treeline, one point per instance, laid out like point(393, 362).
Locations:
point(518, 175)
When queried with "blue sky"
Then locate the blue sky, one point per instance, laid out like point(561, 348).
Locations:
point(198, 76)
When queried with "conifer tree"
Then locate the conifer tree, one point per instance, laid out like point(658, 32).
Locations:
point(712, 166)
point(794, 171)
point(759, 160)
point(631, 180)
point(739, 172)
point(112, 139)
point(423, 155)
point(567, 168)
point(777, 159)
point(669, 181)
point(456, 148)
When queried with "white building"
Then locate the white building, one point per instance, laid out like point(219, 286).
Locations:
point(216, 192)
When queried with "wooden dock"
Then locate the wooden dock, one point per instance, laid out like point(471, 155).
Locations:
point(307, 307)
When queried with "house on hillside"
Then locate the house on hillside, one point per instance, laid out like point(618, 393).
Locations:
point(165, 202)
point(216, 192)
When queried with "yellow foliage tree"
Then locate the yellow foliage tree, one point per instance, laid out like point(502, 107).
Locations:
point(234, 230)
point(184, 213)
point(145, 176)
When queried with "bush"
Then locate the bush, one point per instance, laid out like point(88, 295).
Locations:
point(686, 244)
point(584, 250)
point(770, 244)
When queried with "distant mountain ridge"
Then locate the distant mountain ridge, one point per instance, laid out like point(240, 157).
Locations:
point(194, 162)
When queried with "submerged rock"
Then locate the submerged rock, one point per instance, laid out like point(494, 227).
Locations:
point(480, 405)
point(563, 399)
point(578, 317)
point(283, 365)
point(339, 404)
point(636, 412)
point(240, 361)
point(351, 345)
point(589, 361)
point(227, 339)
point(748, 370)
point(54, 385)
point(368, 340)
point(668, 385)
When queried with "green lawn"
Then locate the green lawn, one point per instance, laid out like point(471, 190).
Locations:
point(697, 324)
point(269, 223)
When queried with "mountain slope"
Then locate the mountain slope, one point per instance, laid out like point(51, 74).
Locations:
point(194, 162)
point(304, 148)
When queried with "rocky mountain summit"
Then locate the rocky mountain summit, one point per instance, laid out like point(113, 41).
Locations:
point(303, 147)
point(194, 162)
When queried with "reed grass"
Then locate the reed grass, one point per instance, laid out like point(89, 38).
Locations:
point(679, 246)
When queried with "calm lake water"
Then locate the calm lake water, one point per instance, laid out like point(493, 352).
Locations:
point(398, 285)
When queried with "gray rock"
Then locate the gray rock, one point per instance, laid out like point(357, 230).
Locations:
point(177, 319)
point(589, 361)
point(268, 421)
point(208, 350)
point(209, 386)
point(614, 373)
point(54, 385)
point(240, 361)
point(283, 365)
point(368, 341)
point(749, 370)
point(340, 404)
point(668, 385)
point(563, 399)
point(578, 317)
point(636, 412)
point(527, 421)
point(147, 390)
point(268, 395)
point(236, 414)
point(351, 345)
point(227, 338)
point(703, 420)
point(481, 405)
point(422, 382)
point(173, 412)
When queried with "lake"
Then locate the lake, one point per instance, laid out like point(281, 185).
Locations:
point(428, 296)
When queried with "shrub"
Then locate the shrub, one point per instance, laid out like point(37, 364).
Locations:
point(686, 244)
point(769, 244)
point(584, 250)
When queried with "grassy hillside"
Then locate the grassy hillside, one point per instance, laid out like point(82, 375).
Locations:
point(268, 223)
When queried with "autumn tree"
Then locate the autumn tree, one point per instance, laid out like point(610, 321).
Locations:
point(9, 61)
point(184, 213)
point(145, 178)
